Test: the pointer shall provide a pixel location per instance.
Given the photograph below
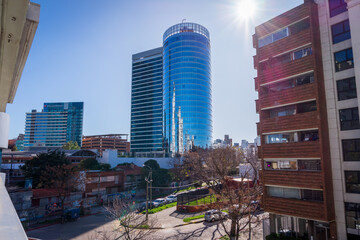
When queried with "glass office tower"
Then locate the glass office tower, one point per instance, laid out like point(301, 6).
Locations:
point(186, 88)
point(146, 134)
point(57, 124)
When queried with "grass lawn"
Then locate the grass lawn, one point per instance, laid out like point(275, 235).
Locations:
point(193, 218)
point(204, 200)
point(158, 209)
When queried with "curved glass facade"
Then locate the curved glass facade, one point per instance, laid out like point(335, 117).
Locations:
point(186, 87)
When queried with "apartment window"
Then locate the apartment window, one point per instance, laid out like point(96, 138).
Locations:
point(340, 31)
point(276, 87)
point(283, 192)
point(352, 215)
point(352, 181)
point(309, 136)
point(277, 61)
point(309, 165)
point(344, 60)
point(280, 138)
point(282, 111)
point(300, 26)
point(302, 53)
point(351, 149)
point(337, 7)
point(305, 79)
point(280, 34)
point(281, 165)
point(346, 89)
point(306, 107)
point(349, 119)
point(312, 195)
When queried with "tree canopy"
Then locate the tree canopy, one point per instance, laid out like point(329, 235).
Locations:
point(161, 177)
point(93, 164)
point(37, 166)
point(71, 145)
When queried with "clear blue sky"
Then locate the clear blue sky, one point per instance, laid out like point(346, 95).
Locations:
point(82, 52)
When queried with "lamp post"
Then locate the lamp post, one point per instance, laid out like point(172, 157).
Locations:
point(148, 180)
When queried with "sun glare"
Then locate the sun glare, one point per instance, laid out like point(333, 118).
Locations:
point(246, 8)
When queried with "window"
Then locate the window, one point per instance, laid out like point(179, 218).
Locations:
point(351, 149)
point(300, 26)
point(309, 136)
point(340, 31)
point(352, 215)
point(281, 165)
point(346, 89)
point(277, 61)
point(306, 107)
point(282, 111)
point(280, 34)
point(284, 192)
point(349, 119)
point(312, 195)
point(302, 53)
point(352, 181)
point(344, 60)
point(280, 138)
point(305, 79)
point(337, 7)
point(309, 165)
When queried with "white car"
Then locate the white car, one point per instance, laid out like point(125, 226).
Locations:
point(159, 202)
point(171, 198)
point(213, 215)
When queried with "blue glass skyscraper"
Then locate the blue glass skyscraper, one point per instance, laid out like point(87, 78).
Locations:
point(56, 125)
point(187, 105)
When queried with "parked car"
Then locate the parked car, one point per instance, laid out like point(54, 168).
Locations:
point(171, 198)
point(142, 206)
point(214, 215)
point(159, 202)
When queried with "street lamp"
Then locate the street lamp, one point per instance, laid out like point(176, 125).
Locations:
point(148, 180)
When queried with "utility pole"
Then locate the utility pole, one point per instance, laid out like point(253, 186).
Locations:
point(147, 197)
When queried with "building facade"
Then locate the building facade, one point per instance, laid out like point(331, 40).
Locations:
point(146, 134)
point(294, 130)
point(109, 141)
point(186, 88)
point(55, 125)
point(340, 40)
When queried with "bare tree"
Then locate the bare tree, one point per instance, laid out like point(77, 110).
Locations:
point(240, 196)
point(131, 225)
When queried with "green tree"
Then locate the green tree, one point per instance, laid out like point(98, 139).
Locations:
point(71, 145)
point(37, 166)
point(161, 177)
point(89, 164)
point(93, 164)
point(153, 164)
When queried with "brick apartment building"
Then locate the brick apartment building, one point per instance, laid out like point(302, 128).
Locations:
point(308, 66)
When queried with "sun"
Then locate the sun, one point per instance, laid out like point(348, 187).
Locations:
point(246, 8)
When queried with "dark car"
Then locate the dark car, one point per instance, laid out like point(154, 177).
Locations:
point(142, 207)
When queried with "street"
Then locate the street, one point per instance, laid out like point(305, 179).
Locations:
point(85, 228)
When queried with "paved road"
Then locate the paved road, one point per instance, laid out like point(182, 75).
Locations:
point(85, 228)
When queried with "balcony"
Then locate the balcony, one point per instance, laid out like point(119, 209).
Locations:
point(287, 69)
point(309, 149)
point(286, 44)
point(295, 207)
point(298, 121)
point(296, 94)
point(255, 60)
point(257, 105)
point(258, 129)
point(256, 84)
point(300, 179)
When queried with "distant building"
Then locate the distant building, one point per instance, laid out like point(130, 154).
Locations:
point(218, 143)
point(109, 141)
point(55, 125)
point(17, 142)
point(146, 134)
point(244, 144)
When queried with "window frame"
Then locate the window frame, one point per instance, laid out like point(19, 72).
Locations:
point(353, 121)
point(346, 152)
point(346, 91)
point(341, 6)
point(344, 32)
point(356, 182)
point(338, 68)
